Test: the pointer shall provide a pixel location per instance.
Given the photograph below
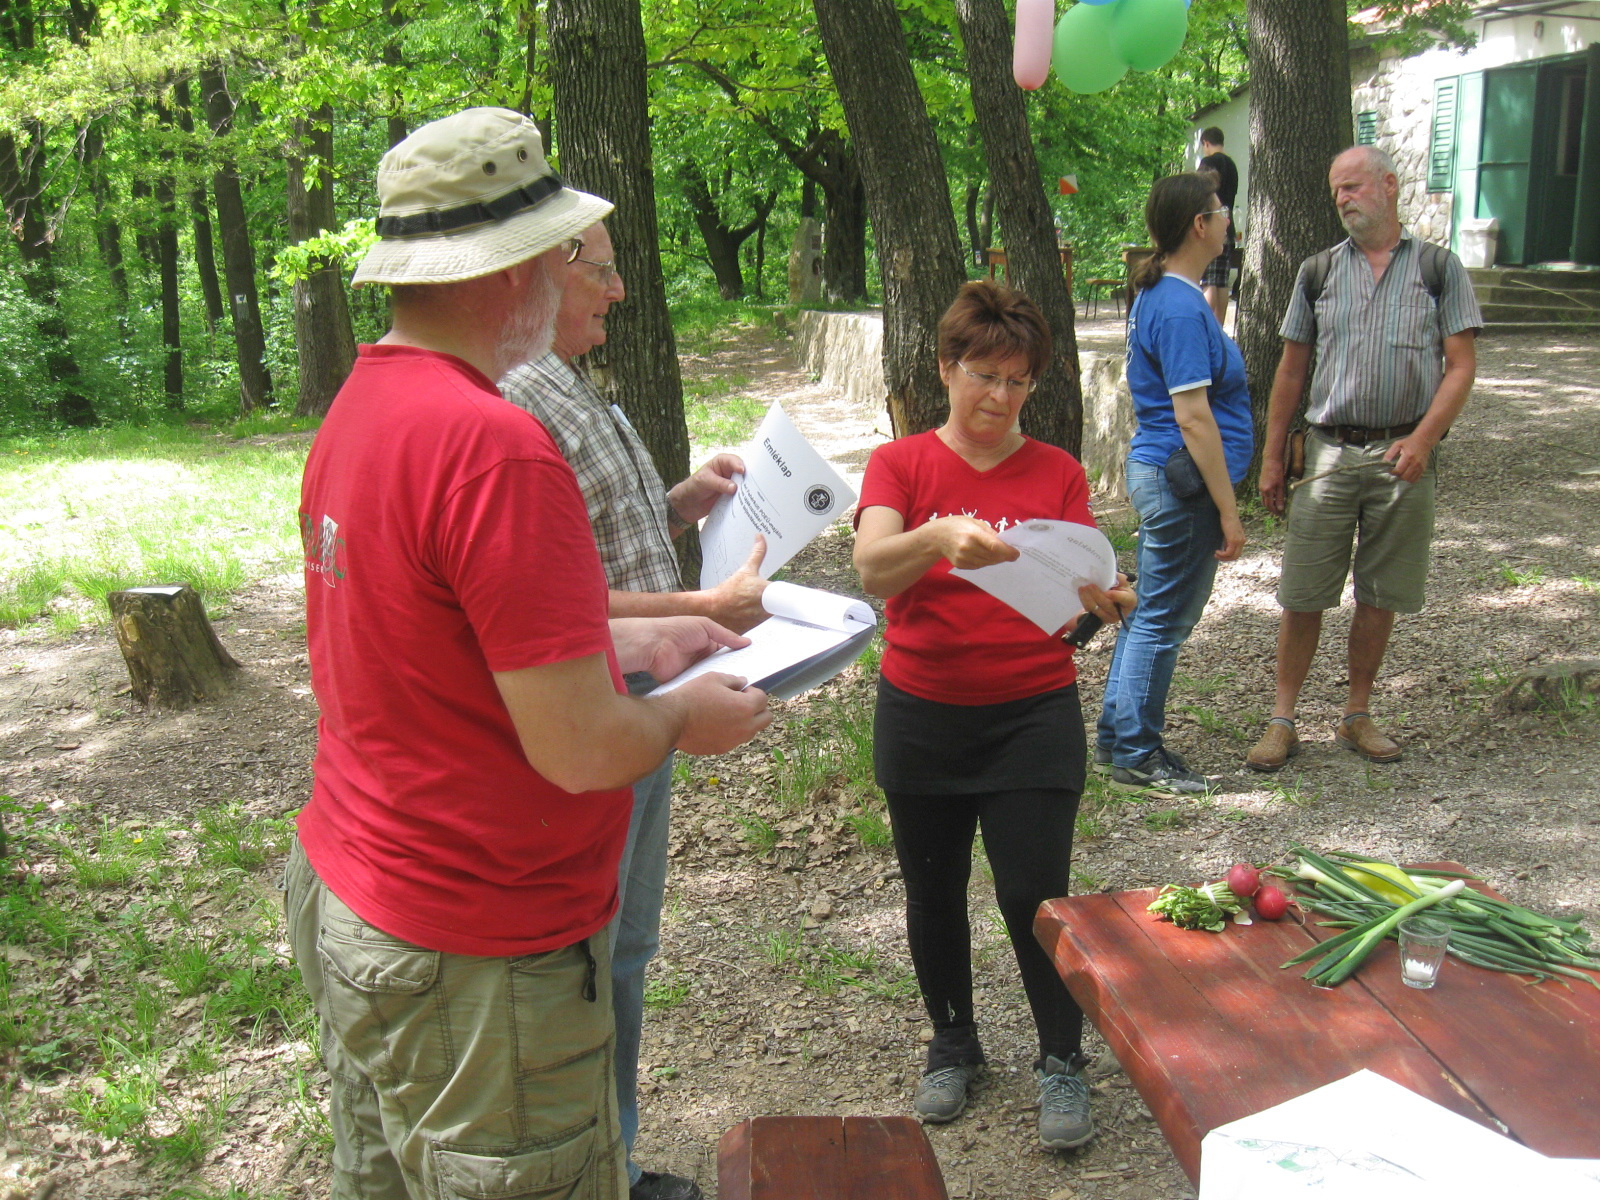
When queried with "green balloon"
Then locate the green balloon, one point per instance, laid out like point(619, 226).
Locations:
point(1083, 57)
point(1146, 33)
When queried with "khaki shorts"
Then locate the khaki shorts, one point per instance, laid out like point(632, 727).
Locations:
point(1389, 522)
point(455, 1076)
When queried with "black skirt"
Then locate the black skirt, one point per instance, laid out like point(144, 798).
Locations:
point(928, 748)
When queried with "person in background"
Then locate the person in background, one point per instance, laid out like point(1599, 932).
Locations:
point(1218, 276)
point(1396, 359)
point(978, 722)
point(634, 519)
point(455, 870)
point(1193, 444)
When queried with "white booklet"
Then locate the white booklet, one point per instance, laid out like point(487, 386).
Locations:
point(810, 637)
point(1056, 558)
point(788, 492)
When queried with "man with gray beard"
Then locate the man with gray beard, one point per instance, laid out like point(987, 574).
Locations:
point(1394, 321)
point(455, 870)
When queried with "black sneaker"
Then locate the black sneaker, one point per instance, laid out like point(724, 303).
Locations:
point(658, 1185)
point(1161, 771)
point(1102, 760)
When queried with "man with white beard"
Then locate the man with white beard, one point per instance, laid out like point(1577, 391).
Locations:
point(1393, 320)
point(456, 868)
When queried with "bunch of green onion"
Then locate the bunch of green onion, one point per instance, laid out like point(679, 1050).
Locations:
point(1368, 899)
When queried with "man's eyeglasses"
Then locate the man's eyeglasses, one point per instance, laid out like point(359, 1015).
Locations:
point(607, 271)
point(1014, 386)
point(1211, 212)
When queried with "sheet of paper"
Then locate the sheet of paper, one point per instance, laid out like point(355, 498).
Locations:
point(811, 636)
point(1056, 558)
point(776, 645)
point(788, 492)
point(1368, 1136)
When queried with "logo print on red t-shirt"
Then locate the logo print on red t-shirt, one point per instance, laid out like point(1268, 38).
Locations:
point(322, 546)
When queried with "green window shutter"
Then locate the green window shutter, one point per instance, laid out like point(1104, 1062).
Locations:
point(1442, 147)
point(1366, 128)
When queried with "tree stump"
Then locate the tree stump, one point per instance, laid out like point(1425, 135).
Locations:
point(173, 655)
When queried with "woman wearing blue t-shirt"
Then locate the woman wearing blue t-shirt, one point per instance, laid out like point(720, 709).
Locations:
point(1193, 445)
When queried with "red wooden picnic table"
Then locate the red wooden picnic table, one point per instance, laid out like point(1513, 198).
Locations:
point(1210, 1030)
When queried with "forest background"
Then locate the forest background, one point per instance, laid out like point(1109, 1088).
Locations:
point(187, 186)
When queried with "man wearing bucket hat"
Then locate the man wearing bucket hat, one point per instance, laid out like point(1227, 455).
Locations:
point(456, 867)
point(634, 518)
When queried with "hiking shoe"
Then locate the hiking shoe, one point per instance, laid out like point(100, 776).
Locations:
point(1102, 759)
point(1161, 771)
point(1277, 746)
point(942, 1094)
point(1063, 1105)
point(1355, 731)
point(658, 1185)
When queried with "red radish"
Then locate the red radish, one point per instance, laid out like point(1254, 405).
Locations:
point(1243, 880)
point(1271, 903)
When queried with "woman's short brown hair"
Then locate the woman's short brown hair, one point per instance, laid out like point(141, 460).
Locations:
point(990, 321)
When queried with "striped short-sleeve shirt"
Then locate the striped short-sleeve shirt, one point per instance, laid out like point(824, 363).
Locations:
point(1380, 345)
point(621, 487)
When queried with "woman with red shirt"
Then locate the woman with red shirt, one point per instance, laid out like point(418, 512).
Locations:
point(978, 722)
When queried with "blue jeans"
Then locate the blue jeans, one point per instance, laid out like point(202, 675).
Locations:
point(636, 935)
point(1178, 541)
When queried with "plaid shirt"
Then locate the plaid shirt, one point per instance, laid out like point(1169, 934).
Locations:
point(1380, 346)
point(625, 497)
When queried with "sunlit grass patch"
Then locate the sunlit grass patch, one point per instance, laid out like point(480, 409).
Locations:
point(89, 513)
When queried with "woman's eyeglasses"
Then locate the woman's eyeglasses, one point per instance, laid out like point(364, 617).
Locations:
point(1014, 386)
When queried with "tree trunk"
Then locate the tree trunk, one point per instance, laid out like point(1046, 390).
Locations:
point(19, 189)
point(108, 231)
point(395, 61)
point(322, 334)
point(1299, 119)
point(722, 243)
point(238, 259)
point(844, 226)
point(167, 269)
point(1054, 414)
point(205, 259)
point(918, 251)
point(602, 118)
point(173, 655)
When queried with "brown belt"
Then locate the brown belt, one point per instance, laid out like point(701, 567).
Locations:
point(1360, 435)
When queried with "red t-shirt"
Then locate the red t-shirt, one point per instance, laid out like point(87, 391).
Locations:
point(446, 539)
point(948, 640)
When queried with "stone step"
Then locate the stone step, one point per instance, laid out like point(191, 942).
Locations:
point(1587, 329)
point(1539, 312)
point(1577, 280)
point(1545, 297)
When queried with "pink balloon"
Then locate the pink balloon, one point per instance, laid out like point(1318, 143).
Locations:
point(1030, 60)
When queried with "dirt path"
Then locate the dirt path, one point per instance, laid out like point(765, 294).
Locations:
point(783, 985)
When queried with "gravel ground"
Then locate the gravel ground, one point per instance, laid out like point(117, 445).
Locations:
point(783, 985)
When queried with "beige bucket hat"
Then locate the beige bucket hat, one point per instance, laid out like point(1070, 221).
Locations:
point(469, 195)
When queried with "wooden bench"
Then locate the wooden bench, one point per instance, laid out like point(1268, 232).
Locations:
point(828, 1158)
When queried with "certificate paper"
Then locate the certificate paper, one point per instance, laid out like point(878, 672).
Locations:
point(1056, 558)
point(810, 637)
point(788, 492)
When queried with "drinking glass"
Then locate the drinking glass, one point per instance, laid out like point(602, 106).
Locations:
point(1422, 946)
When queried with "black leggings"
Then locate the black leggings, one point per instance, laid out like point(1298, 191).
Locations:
point(1027, 835)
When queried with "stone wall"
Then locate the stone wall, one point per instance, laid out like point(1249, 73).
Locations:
point(1402, 96)
point(845, 351)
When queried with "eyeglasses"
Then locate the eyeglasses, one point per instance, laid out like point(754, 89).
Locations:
point(1211, 212)
point(1014, 386)
point(607, 271)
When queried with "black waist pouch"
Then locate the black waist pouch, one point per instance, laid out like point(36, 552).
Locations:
point(1183, 475)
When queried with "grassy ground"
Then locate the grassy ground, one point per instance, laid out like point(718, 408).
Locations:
point(87, 513)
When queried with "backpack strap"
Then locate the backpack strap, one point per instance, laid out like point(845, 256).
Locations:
point(1432, 262)
point(1315, 278)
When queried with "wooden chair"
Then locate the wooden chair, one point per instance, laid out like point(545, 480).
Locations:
point(828, 1158)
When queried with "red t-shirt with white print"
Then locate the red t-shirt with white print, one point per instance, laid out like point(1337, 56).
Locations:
point(950, 641)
